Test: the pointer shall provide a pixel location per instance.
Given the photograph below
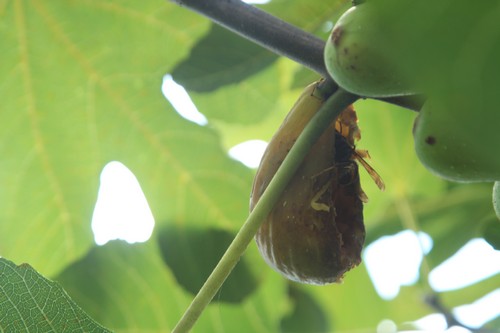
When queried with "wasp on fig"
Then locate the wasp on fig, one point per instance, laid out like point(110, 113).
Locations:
point(315, 232)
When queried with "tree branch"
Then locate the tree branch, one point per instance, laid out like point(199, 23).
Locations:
point(264, 29)
point(277, 36)
point(434, 301)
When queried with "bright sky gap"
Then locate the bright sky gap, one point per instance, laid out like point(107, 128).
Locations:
point(121, 210)
point(181, 102)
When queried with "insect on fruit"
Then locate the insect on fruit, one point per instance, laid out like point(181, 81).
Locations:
point(315, 232)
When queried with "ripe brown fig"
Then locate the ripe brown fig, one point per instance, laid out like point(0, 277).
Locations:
point(315, 232)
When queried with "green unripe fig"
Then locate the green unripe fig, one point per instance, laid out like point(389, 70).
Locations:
point(359, 54)
point(458, 139)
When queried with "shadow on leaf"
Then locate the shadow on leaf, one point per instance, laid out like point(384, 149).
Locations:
point(192, 254)
point(307, 314)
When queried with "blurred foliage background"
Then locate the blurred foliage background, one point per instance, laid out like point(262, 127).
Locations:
point(80, 84)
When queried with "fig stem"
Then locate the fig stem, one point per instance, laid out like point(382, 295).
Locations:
point(328, 112)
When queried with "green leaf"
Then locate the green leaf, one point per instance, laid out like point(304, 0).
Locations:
point(493, 325)
point(303, 77)
point(128, 286)
point(386, 132)
point(355, 305)
point(491, 232)
point(460, 212)
point(307, 314)
point(317, 17)
point(78, 95)
point(31, 303)
point(254, 108)
point(192, 265)
point(220, 58)
point(470, 293)
point(246, 102)
point(125, 286)
point(312, 16)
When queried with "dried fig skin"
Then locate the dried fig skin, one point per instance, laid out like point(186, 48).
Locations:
point(315, 232)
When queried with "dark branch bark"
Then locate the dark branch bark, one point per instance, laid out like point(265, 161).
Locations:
point(264, 29)
point(277, 36)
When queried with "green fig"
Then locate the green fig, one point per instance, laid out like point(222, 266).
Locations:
point(359, 54)
point(457, 138)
